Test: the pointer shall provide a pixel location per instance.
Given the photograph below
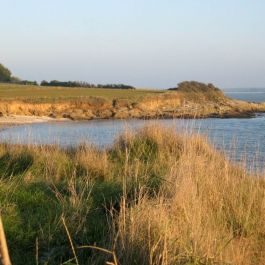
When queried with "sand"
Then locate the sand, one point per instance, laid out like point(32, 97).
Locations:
point(22, 119)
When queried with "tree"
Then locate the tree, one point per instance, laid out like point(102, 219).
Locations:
point(5, 74)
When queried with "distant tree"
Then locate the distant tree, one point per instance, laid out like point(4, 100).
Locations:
point(5, 74)
point(44, 83)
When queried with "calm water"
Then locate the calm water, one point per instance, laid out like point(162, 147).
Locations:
point(254, 96)
point(239, 138)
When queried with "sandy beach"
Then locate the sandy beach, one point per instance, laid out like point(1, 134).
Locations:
point(23, 119)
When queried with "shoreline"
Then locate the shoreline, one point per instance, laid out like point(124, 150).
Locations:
point(190, 100)
point(7, 121)
point(15, 120)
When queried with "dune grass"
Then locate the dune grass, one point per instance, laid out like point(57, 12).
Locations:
point(156, 197)
point(47, 94)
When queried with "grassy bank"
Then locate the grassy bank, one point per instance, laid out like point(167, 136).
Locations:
point(155, 197)
point(189, 100)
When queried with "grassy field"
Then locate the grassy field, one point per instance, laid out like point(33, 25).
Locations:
point(36, 93)
point(154, 198)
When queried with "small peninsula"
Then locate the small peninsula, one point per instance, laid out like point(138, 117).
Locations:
point(187, 100)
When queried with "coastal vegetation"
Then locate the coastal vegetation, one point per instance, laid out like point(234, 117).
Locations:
point(155, 197)
point(188, 100)
point(193, 87)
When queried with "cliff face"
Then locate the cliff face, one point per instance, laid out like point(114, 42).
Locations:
point(185, 102)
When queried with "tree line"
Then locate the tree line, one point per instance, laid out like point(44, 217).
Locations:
point(84, 84)
point(7, 77)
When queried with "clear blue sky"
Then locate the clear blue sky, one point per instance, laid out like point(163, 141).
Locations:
point(146, 43)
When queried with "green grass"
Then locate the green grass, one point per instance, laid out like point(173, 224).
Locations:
point(35, 93)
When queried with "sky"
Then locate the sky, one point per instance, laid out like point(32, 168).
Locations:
point(145, 43)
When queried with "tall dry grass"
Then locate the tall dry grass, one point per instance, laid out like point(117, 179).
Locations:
point(206, 211)
point(156, 197)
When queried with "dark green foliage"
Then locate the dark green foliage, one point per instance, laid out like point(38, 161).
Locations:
point(55, 83)
point(106, 194)
point(12, 165)
point(5, 74)
point(26, 82)
point(32, 212)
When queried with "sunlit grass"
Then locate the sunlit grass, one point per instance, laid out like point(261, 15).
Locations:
point(36, 93)
point(156, 197)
